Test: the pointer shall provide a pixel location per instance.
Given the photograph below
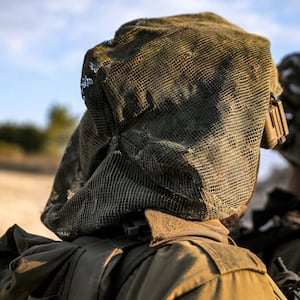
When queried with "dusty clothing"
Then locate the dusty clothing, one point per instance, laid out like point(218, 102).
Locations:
point(191, 260)
point(206, 267)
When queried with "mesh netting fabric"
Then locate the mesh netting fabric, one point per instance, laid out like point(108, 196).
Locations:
point(175, 114)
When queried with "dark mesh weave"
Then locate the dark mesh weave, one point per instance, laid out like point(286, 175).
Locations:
point(175, 113)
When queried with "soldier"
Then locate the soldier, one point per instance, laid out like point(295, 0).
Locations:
point(168, 147)
point(289, 76)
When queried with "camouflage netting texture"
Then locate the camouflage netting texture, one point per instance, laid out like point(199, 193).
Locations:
point(175, 114)
point(289, 77)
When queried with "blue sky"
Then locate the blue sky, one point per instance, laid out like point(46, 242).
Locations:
point(42, 43)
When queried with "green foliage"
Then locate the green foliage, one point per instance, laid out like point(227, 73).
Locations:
point(32, 139)
point(60, 127)
point(8, 150)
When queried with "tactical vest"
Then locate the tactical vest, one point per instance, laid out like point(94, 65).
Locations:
point(34, 267)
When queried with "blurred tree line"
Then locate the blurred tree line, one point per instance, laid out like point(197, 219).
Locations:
point(34, 140)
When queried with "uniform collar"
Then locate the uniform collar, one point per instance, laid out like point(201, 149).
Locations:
point(167, 227)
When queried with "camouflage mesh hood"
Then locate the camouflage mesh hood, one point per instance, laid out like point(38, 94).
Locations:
point(175, 114)
point(289, 77)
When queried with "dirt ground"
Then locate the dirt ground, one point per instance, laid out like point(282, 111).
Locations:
point(22, 198)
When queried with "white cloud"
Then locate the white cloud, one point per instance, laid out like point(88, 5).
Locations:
point(67, 6)
point(292, 6)
point(51, 36)
point(23, 23)
point(47, 35)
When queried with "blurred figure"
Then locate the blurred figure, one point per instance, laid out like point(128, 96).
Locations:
point(289, 77)
point(277, 228)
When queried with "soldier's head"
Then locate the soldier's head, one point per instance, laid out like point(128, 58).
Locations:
point(176, 109)
point(289, 77)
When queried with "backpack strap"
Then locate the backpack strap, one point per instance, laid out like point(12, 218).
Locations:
point(99, 258)
point(131, 260)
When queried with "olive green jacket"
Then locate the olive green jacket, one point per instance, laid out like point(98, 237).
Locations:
point(206, 266)
point(186, 260)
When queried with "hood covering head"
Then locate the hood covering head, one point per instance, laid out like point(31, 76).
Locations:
point(175, 114)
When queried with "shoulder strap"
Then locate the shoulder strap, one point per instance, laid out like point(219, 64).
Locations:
point(130, 261)
point(99, 258)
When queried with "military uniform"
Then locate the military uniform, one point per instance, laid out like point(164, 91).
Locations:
point(185, 260)
point(176, 111)
point(198, 262)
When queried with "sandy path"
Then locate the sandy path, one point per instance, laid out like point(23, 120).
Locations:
point(22, 198)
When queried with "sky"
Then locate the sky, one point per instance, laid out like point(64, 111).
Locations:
point(43, 42)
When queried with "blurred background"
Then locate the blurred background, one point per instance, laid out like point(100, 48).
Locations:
point(42, 45)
